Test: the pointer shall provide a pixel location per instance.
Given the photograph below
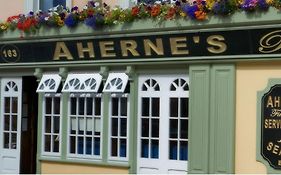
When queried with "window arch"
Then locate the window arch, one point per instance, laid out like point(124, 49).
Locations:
point(49, 83)
point(82, 83)
point(150, 85)
point(179, 84)
point(116, 82)
point(11, 86)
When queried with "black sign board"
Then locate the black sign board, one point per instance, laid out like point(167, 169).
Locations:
point(181, 44)
point(271, 126)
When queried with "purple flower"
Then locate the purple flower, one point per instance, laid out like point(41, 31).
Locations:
point(70, 20)
point(91, 22)
point(178, 3)
point(95, 21)
point(75, 8)
point(262, 5)
point(190, 10)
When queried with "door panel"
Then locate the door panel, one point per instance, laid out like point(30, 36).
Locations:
point(10, 128)
point(163, 124)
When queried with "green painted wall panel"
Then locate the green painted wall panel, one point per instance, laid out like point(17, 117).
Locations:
point(199, 119)
point(39, 132)
point(222, 119)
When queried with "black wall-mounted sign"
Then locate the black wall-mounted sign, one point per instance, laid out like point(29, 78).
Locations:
point(271, 126)
point(182, 44)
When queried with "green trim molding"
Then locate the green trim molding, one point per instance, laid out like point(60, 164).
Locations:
point(212, 119)
point(259, 158)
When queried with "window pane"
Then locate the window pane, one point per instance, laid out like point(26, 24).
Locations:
point(183, 150)
point(173, 150)
point(56, 105)
point(173, 128)
point(80, 145)
point(154, 149)
point(114, 126)
point(89, 126)
point(73, 106)
point(184, 107)
point(144, 148)
point(73, 125)
point(123, 129)
point(145, 107)
point(14, 104)
point(72, 144)
point(97, 106)
point(14, 122)
point(89, 106)
point(47, 124)
point(56, 141)
point(48, 105)
point(145, 127)
point(6, 140)
point(114, 146)
point(155, 107)
point(56, 125)
point(155, 128)
point(97, 126)
point(14, 141)
point(47, 143)
point(7, 123)
point(97, 146)
point(7, 104)
point(81, 125)
point(81, 106)
point(123, 148)
point(89, 145)
point(174, 107)
point(114, 107)
point(123, 106)
point(184, 129)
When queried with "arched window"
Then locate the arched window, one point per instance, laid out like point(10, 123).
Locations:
point(82, 83)
point(116, 82)
point(150, 85)
point(49, 83)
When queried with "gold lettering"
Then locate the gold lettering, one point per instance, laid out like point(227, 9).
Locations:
point(129, 46)
point(275, 149)
point(106, 47)
point(215, 40)
point(276, 102)
point(279, 162)
point(89, 49)
point(265, 123)
point(62, 51)
point(269, 146)
point(158, 48)
point(178, 43)
point(269, 102)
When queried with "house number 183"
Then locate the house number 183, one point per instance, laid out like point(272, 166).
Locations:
point(10, 53)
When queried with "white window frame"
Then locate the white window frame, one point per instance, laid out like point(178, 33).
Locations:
point(46, 89)
point(84, 156)
point(33, 5)
point(118, 158)
point(82, 78)
point(113, 89)
point(44, 153)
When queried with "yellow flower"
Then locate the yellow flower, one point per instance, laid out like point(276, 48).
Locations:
point(182, 14)
point(269, 1)
point(3, 26)
point(60, 22)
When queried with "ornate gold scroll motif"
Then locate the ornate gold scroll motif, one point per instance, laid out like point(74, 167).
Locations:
point(270, 42)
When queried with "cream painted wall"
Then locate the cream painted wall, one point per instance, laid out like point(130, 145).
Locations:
point(10, 8)
point(250, 78)
point(79, 3)
point(111, 3)
point(59, 168)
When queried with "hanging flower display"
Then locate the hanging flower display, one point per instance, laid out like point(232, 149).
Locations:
point(96, 15)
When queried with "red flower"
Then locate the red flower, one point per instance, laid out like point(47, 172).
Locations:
point(26, 24)
point(135, 11)
point(171, 13)
point(90, 12)
point(200, 15)
point(155, 11)
point(11, 18)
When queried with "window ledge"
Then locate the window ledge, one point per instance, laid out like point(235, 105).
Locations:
point(238, 19)
point(84, 162)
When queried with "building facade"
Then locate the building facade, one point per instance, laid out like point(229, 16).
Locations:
point(176, 96)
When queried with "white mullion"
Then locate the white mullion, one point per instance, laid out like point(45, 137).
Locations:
point(119, 126)
point(52, 122)
point(150, 125)
point(179, 125)
point(77, 128)
point(85, 129)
